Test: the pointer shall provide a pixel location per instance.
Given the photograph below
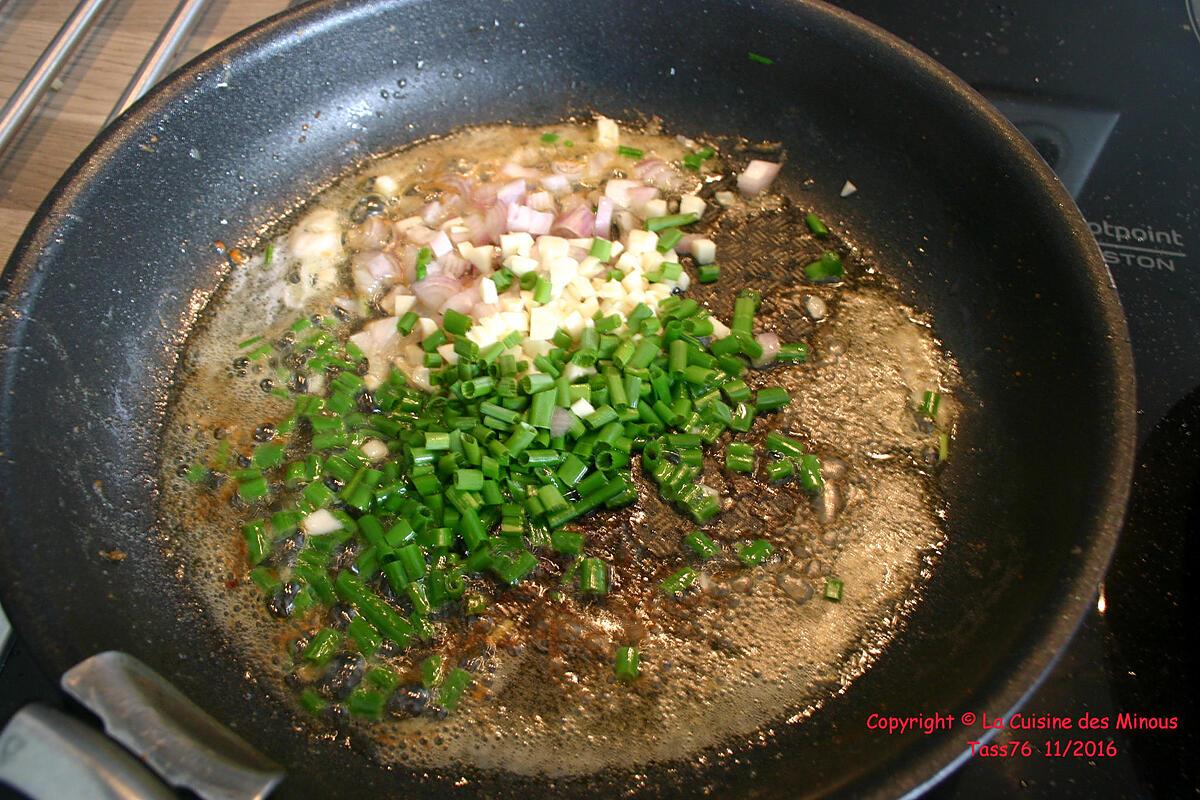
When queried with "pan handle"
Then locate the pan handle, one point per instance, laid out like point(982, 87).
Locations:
point(173, 735)
point(48, 755)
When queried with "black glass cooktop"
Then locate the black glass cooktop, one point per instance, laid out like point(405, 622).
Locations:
point(1109, 92)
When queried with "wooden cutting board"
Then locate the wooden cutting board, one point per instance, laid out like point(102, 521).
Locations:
point(67, 119)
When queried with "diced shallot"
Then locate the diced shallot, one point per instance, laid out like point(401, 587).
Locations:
point(770, 345)
point(486, 229)
point(320, 522)
point(617, 190)
point(575, 224)
point(639, 196)
point(431, 213)
point(541, 222)
point(463, 302)
point(657, 172)
point(372, 269)
point(441, 244)
point(512, 192)
point(559, 184)
point(435, 290)
point(373, 234)
point(604, 212)
point(757, 176)
point(560, 422)
point(517, 171)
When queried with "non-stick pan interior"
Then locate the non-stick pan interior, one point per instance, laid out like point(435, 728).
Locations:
point(118, 264)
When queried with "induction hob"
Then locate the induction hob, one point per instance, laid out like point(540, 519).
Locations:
point(1109, 93)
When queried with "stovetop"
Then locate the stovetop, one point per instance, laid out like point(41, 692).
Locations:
point(1108, 92)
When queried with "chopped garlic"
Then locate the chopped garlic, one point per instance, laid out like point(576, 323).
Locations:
point(320, 522)
point(607, 132)
point(374, 449)
point(543, 322)
point(655, 208)
point(552, 248)
point(520, 264)
point(487, 291)
point(691, 204)
point(402, 304)
point(704, 251)
point(515, 244)
point(426, 326)
point(639, 241)
point(386, 185)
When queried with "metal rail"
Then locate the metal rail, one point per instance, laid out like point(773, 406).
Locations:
point(27, 95)
point(158, 61)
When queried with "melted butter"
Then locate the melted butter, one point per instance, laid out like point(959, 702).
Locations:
point(717, 666)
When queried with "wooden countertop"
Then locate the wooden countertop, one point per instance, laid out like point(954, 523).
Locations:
point(92, 81)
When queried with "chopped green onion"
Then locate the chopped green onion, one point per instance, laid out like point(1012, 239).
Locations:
point(601, 249)
point(809, 468)
point(627, 664)
point(424, 256)
point(771, 398)
point(816, 225)
point(755, 552)
point(593, 576)
point(456, 322)
point(671, 221)
point(678, 581)
point(929, 404)
point(406, 323)
point(701, 544)
point(760, 59)
point(784, 445)
point(739, 457)
point(453, 687)
point(668, 239)
point(833, 590)
point(629, 152)
point(827, 268)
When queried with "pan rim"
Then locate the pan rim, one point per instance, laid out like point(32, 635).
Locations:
point(1044, 641)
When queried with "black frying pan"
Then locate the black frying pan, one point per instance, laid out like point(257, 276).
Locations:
point(104, 286)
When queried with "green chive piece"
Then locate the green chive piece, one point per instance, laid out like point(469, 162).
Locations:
point(453, 687)
point(627, 664)
point(601, 249)
point(833, 590)
point(739, 457)
point(671, 221)
point(816, 225)
point(456, 322)
point(678, 581)
point(424, 256)
point(929, 404)
point(701, 544)
point(827, 268)
point(755, 552)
